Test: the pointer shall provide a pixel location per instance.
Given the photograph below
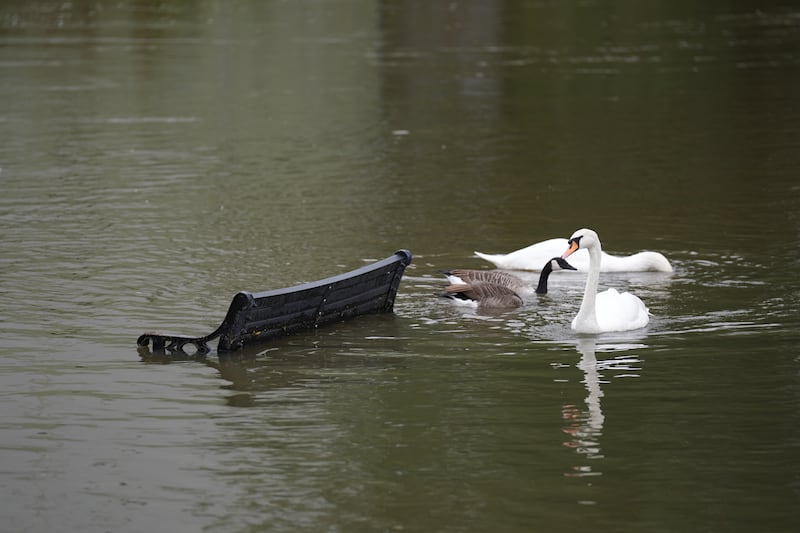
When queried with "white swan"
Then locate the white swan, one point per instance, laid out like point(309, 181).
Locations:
point(609, 310)
point(495, 289)
point(535, 255)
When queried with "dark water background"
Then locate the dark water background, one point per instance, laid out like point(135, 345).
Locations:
point(157, 157)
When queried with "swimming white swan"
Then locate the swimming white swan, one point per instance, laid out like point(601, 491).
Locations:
point(495, 289)
point(609, 310)
point(535, 255)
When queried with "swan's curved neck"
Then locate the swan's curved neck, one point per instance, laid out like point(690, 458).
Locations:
point(586, 320)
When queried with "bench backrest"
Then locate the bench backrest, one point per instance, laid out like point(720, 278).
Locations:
point(254, 317)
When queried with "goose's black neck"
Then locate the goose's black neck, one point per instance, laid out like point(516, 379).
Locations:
point(546, 271)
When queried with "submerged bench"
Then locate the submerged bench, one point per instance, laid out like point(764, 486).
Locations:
point(260, 316)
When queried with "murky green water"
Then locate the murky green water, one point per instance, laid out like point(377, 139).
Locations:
point(158, 157)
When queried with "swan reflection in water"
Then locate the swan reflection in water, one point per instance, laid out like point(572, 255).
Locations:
point(584, 424)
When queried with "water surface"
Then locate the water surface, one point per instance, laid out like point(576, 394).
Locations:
point(159, 157)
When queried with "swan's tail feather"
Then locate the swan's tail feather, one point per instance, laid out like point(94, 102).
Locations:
point(492, 258)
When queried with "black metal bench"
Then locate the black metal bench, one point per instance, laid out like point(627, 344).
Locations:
point(257, 317)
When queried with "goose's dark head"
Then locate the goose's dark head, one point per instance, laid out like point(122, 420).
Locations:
point(558, 263)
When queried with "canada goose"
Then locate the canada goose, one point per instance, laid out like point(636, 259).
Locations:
point(496, 289)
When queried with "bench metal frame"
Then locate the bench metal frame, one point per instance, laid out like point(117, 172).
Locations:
point(260, 316)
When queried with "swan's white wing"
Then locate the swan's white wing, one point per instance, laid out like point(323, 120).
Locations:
point(535, 256)
point(620, 311)
point(639, 262)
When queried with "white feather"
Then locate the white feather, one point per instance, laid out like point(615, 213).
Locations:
point(536, 255)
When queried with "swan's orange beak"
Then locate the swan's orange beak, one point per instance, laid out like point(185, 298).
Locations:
point(573, 247)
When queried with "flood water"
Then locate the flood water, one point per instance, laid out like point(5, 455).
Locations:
point(158, 157)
